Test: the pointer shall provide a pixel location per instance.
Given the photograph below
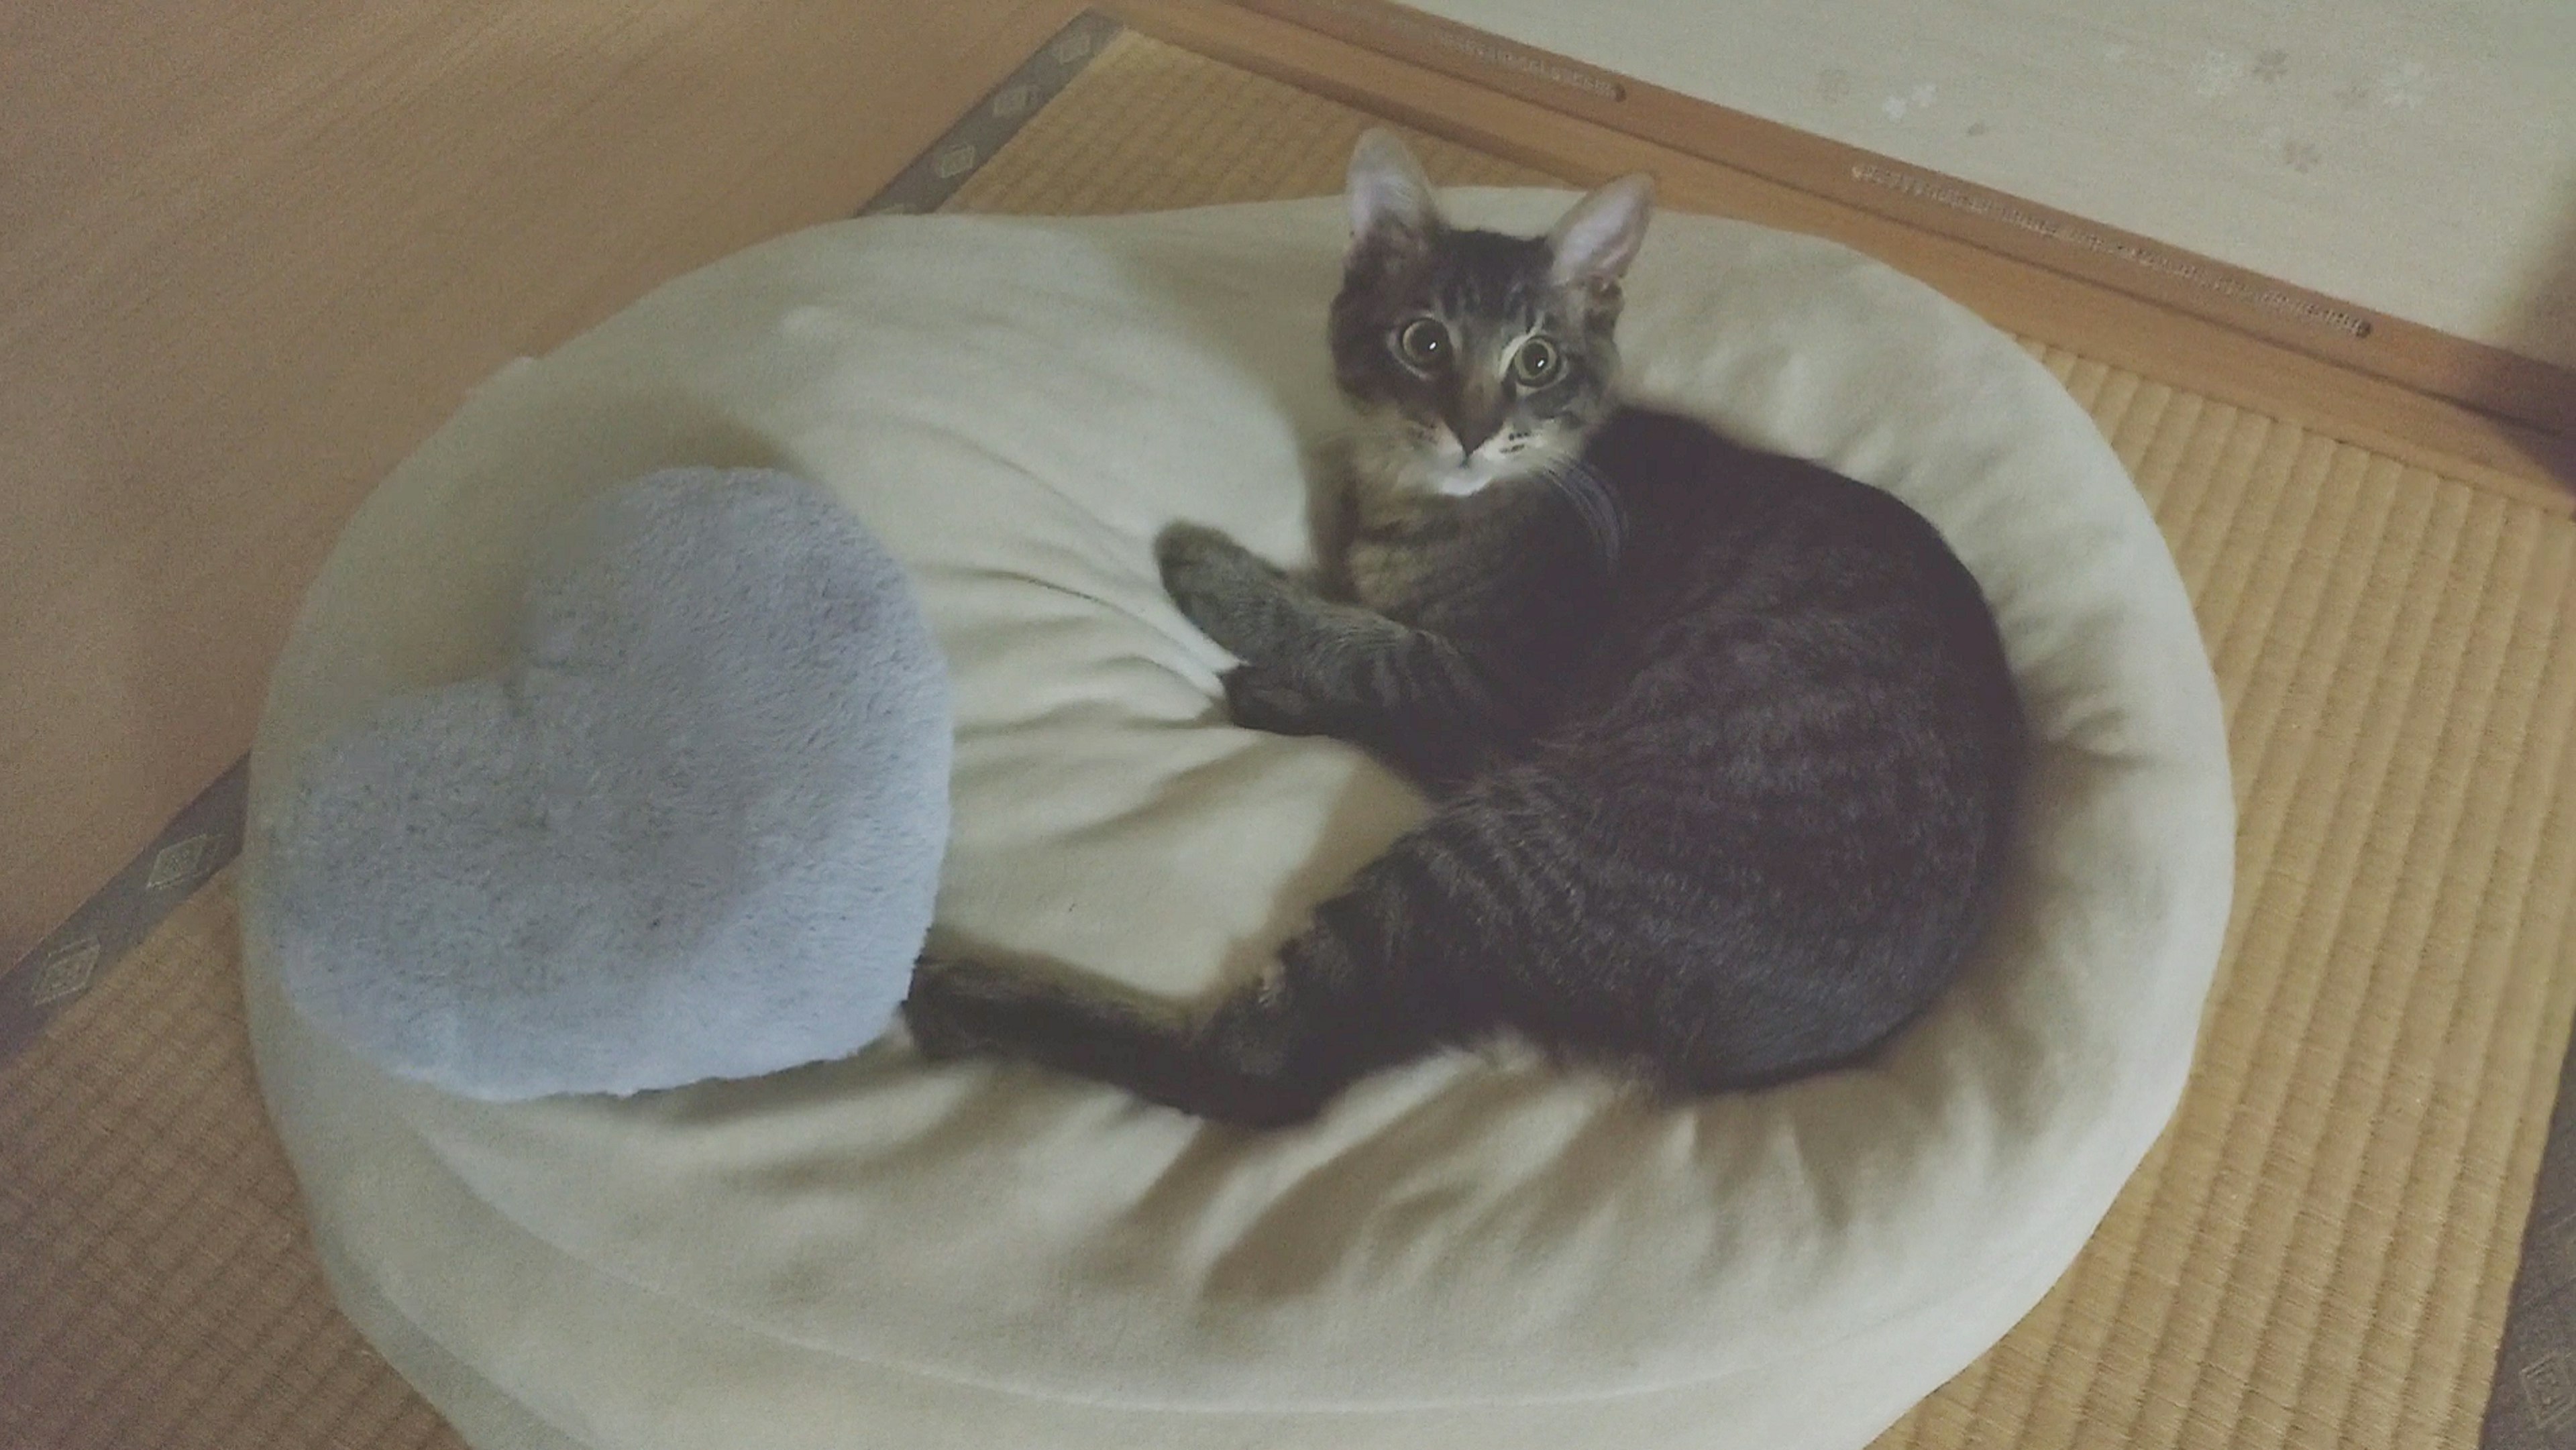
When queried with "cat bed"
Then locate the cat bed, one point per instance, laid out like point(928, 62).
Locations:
point(1468, 1252)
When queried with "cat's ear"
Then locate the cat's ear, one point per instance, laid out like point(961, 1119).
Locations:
point(1390, 197)
point(1594, 243)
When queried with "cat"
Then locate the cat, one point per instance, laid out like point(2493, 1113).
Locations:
point(1723, 745)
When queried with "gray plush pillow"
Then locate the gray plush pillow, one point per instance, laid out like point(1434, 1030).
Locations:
point(692, 830)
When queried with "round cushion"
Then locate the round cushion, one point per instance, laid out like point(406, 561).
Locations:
point(1475, 1251)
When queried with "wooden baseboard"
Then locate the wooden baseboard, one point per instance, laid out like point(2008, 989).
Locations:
point(1581, 124)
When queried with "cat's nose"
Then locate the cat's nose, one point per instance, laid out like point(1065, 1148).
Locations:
point(1474, 414)
point(1472, 435)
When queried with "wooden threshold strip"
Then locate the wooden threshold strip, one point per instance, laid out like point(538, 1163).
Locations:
point(2029, 298)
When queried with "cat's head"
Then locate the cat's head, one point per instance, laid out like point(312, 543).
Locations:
point(1475, 357)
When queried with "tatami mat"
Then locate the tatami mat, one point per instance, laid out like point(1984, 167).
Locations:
point(2321, 1251)
point(2319, 1254)
point(156, 1286)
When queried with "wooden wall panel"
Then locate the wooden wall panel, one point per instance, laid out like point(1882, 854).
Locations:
point(251, 251)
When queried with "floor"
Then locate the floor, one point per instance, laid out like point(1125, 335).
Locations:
point(2322, 1253)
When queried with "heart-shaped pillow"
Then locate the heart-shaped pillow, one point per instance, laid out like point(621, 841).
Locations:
point(693, 829)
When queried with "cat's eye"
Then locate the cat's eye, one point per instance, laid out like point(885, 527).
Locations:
point(1423, 342)
point(1537, 363)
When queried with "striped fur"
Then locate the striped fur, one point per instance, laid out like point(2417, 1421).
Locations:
point(1724, 744)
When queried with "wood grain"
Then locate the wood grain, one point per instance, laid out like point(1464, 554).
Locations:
point(252, 251)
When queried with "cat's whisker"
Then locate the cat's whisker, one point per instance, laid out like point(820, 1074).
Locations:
point(1593, 503)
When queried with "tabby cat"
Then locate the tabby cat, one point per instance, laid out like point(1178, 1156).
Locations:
point(1724, 744)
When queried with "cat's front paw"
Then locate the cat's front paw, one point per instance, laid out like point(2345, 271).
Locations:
point(1219, 585)
point(1259, 699)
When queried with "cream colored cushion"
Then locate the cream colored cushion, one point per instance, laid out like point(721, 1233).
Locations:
point(1471, 1252)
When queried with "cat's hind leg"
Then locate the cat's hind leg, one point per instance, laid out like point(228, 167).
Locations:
point(1259, 1058)
point(1339, 1003)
